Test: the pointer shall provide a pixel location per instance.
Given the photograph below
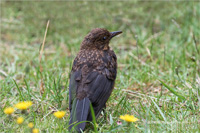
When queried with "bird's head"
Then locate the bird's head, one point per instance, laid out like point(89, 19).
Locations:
point(98, 38)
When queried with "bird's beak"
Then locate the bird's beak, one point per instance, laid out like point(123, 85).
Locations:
point(115, 33)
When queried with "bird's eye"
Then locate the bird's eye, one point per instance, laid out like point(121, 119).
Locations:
point(104, 38)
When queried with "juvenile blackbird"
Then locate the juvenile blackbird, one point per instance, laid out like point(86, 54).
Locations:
point(92, 77)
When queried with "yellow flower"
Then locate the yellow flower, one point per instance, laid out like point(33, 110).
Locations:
point(35, 130)
point(23, 105)
point(30, 125)
point(9, 110)
point(129, 118)
point(59, 114)
point(20, 120)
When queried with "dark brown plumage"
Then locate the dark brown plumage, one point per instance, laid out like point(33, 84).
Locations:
point(92, 77)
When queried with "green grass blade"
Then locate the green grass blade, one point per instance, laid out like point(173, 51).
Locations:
point(28, 89)
point(20, 93)
point(93, 118)
point(173, 91)
point(160, 111)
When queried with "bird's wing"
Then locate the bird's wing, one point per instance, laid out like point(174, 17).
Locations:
point(96, 86)
point(99, 90)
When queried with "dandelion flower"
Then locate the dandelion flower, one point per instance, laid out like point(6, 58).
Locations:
point(24, 105)
point(129, 118)
point(30, 125)
point(9, 110)
point(35, 130)
point(29, 103)
point(20, 120)
point(59, 114)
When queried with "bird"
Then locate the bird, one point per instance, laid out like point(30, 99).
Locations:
point(92, 77)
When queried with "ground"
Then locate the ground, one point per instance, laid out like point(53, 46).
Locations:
point(158, 79)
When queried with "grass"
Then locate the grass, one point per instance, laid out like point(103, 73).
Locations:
point(158, 78)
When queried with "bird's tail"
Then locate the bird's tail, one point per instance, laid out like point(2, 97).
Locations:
point(79, 113)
